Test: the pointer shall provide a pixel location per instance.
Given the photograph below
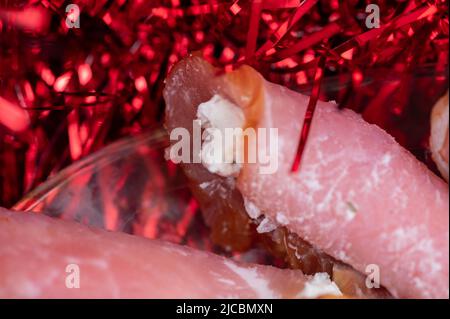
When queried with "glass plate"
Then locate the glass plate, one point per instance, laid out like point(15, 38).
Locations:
point(128, 186)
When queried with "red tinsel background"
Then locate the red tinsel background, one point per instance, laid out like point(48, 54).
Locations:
point(67, 92)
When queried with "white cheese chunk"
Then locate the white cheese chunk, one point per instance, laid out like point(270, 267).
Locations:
point(218, 153)
point(320, 285)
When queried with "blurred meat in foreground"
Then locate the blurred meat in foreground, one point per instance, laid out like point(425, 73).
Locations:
point(41, 257)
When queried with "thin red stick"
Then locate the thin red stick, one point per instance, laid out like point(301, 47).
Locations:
point(253, 28)
point(309, 114)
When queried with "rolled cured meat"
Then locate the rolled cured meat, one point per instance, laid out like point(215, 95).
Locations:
point(358, 199)
point(439, 135)
point(42, 257)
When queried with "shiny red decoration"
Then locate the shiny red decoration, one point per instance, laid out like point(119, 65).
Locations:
point(66, 92)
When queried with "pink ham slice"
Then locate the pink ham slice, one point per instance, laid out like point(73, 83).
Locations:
point(35, 251)
point(363, 198)
point(358, 196)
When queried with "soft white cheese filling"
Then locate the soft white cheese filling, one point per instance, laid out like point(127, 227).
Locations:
point(220, 118)
point(320, 285)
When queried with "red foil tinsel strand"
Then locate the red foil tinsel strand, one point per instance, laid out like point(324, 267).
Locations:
point(73, 91)
point(309, 114)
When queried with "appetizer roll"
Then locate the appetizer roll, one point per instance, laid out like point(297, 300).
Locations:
point(359, 204)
